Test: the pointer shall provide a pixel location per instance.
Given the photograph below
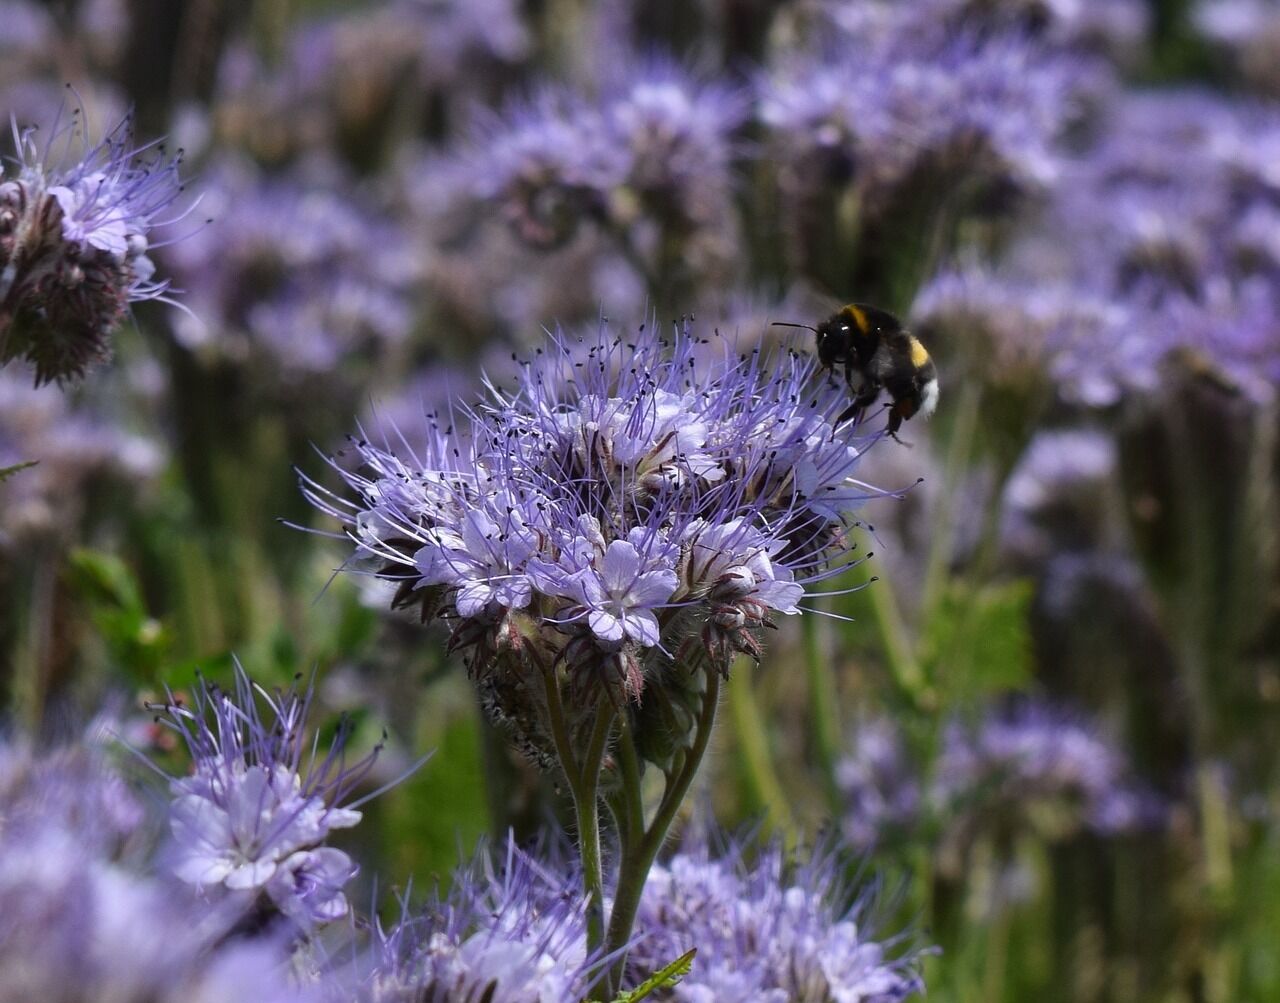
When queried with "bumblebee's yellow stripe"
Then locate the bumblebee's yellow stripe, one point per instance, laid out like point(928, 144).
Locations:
point(855, 314)
point(919, 354)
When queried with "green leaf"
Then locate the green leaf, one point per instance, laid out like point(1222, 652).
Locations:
point(137, 641)
point(664, 978)
point(7, 472)
point(978, 640)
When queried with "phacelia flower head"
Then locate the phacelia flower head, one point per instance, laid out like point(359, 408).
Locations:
point(74, 242)
point(301, 278)
point(629, 502)
point(879, 108)
point(880, 784)
point(511, 930)
point(767, 929)
point(79, 916)
point(253, 816)
point(1036, 762)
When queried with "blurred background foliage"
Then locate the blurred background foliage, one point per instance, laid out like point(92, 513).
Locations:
point(1051, 721)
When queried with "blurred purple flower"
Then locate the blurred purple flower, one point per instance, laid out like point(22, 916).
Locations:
point(766, 930)
point(1062, 496)
point(879, 783)
point(75, 221)
point(509, 931)
point(882, 105)
point(1042, 763)
point(77, 923)
point(302, 279)
point(79, 450)
point(1248, 32)
point(260, 803)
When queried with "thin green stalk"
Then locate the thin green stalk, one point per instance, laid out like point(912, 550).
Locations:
point(586, 808)
point(632, 821)
point(963, 431)
point(824, 709)
point(636, 864)
point(753, 745)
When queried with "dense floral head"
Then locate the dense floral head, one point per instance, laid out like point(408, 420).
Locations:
point(74, 242)
point(766, 930)
point(511, 930)
point(654, 146)
point(1053, 769)
point(881, 106)
point(80, 921)
point(252, 817)
point(298, 276)
point(627, 502)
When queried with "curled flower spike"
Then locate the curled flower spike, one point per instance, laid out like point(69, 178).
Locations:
point(261, 800)
point(74, 243)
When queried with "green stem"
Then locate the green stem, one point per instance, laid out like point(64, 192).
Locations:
point(752, 741)
point(632, 818)
point(586, 807)
point(636, 864)
point(824, 708)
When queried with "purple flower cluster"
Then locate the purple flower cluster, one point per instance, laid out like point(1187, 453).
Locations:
point(74, 243)
point(627, 503)
point(879, 784)
point(766, 930)
point(654, 148)
point(1034, 767)
point(509, 931)
point(252, 818)
point(1161, 240)
point(301, 278)
point(1046, 765)
point(895, 93)
point(80, 920)
point(342, 81)
point(1247, 32)
point(76, 448)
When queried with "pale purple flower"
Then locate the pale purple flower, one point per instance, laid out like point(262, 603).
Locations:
point(880, 785)
point(625, 500)
point(75, 221)
point(79, 916)
point(254, 814)
point(295, 277)
point(1036, 757)
point(766, 930)
point(83, 449)
point(876, 108)
point(511, 930)
point(1061, 496)
point(1248, 32)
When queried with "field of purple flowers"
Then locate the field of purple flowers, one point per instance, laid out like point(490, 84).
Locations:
point(429, 575)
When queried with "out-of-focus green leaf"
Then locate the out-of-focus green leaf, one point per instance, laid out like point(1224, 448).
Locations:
point(438, 814)
point(978, 640)
point(137, 642)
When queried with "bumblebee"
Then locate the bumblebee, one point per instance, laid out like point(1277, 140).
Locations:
point(877, 353)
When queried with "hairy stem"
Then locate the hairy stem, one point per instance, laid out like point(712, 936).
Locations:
point(637, 862)
point(586, 807)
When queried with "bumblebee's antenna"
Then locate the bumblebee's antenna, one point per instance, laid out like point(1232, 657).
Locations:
point(783, 323)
